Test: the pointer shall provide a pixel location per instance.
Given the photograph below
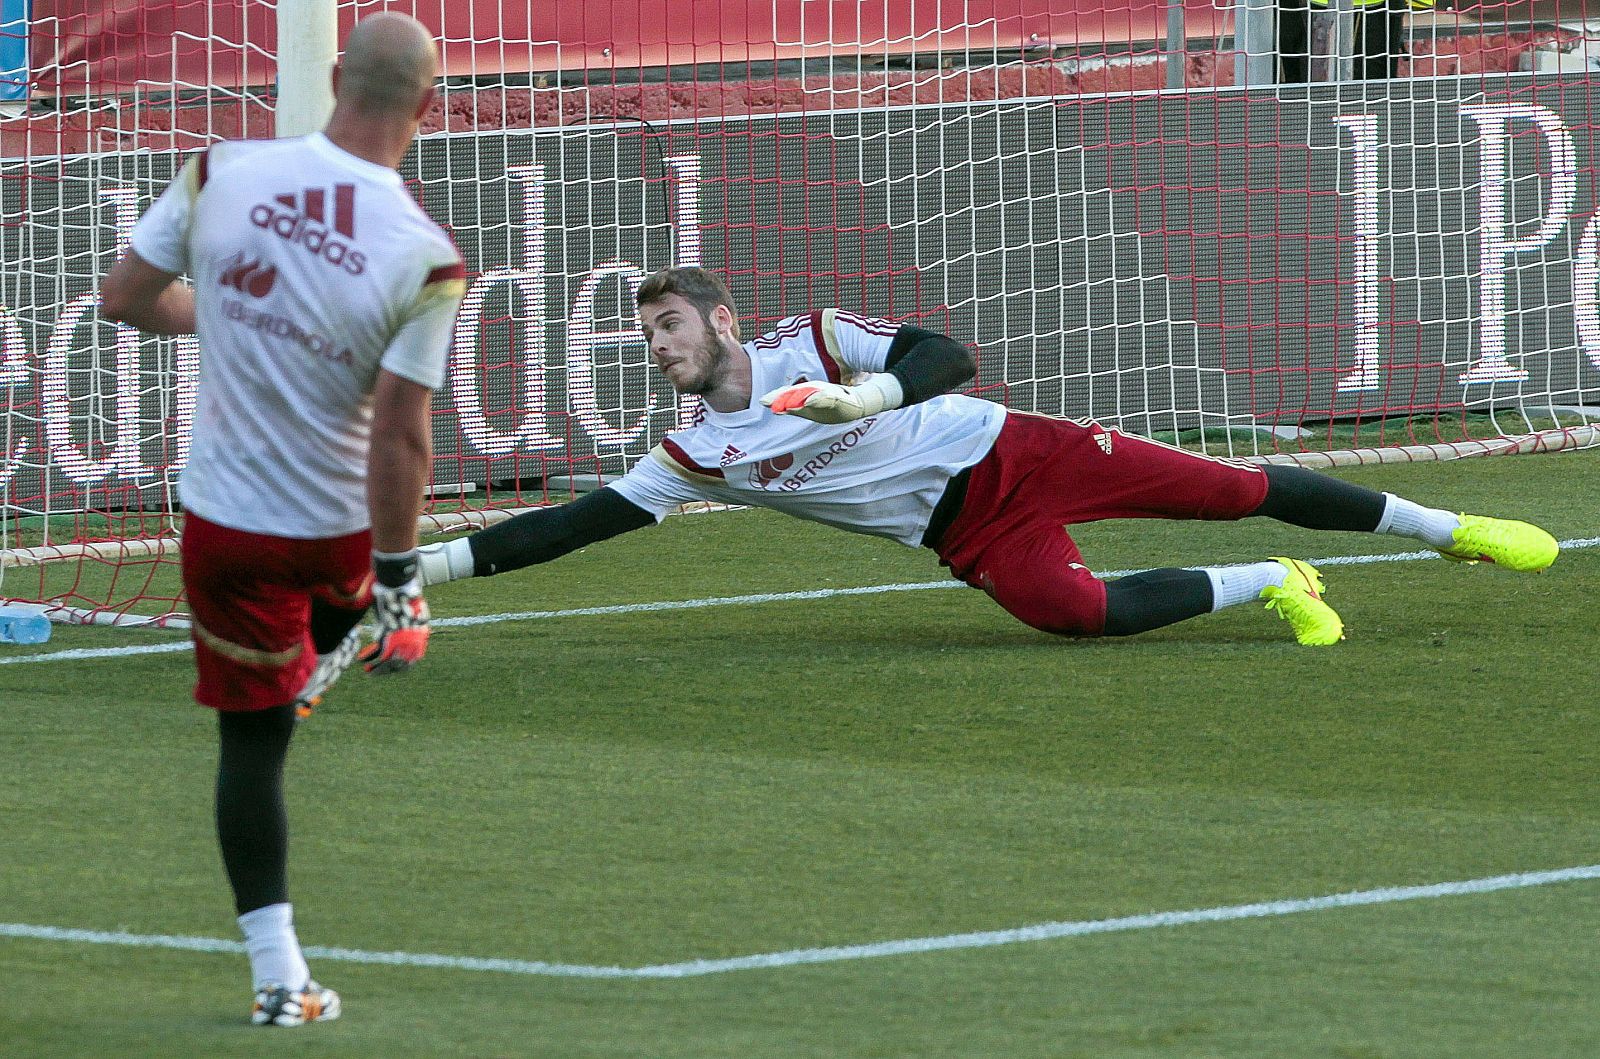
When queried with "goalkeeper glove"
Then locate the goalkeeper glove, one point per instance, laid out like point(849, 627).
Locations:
point(401, 613)
point(829, 402)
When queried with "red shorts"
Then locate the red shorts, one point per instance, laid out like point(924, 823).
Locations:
point(250, 599)
point(1045, 474)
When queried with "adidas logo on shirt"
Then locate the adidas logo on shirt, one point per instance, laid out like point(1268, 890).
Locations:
point(303, 218)
point(1103, 439)
point(731, 454)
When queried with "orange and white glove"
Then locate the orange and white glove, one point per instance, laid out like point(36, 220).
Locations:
point(401, 615)
point(829, 402)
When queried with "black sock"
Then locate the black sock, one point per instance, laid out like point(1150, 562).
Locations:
point(252, 827)
point(1319, 501)
point(1149, 600)
point(331, 624)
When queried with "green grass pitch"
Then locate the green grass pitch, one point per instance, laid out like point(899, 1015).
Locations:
point(651, 788)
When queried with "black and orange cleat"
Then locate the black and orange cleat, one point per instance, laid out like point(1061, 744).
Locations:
point(278, 1005)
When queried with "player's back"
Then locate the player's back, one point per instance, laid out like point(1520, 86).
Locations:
point(307, 261)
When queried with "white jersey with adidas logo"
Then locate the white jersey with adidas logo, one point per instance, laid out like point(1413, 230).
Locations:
point(312, 269)
point(881, 475)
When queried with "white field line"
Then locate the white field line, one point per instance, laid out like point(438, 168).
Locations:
point(835, 954)
point(81, 654)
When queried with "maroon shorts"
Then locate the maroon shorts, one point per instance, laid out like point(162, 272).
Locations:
point(1046, 474)
point(250, 599)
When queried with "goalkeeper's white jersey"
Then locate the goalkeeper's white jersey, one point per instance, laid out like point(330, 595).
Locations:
point(312, 269)
point(881, 475)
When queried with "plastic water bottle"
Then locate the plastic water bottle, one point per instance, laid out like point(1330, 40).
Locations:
point(23, 624)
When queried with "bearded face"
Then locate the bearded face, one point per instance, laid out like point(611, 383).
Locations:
point(684, 346)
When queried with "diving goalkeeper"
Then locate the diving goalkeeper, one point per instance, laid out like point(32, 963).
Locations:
point(851, 421)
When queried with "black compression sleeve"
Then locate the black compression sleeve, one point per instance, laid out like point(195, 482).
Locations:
point(252, 826)
point(928, 364)
point(1303, 497)
point(1153, 599)
point(542, 535)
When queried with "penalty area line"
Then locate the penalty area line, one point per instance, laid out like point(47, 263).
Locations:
point(88, 653)
point(836, 954)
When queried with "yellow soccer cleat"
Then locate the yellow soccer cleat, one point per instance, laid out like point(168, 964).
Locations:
point(1299, 602)
point(1504, 542)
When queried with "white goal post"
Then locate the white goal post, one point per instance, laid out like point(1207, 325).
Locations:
point(308, 46)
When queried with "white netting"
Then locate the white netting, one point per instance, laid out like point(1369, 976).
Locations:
point(1127, 213)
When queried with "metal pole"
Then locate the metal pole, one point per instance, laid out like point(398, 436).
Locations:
point(1264, 44)
point(308, 45)
point(1344, 66)
point(1241, 42)
point(1177, 45)
point(1255, 37)
point(1333, 41)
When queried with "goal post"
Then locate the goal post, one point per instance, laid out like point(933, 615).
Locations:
point(308, 46)
point(1140, 211)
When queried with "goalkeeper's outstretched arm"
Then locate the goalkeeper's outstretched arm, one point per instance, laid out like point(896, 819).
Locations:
point(920, 365)
point(534, 537)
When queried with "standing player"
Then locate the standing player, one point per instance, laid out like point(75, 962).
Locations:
point(324, 300)
point(857, 428)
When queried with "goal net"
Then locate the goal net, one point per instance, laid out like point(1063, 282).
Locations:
point(1329, 233)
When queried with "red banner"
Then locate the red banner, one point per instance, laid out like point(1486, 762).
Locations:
point(120, 45)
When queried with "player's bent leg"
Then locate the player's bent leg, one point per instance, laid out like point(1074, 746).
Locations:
point(1153, 599)
point(1067, 472)
point(1037, 578)
point(1305, 498)
point(1065, 606)
point(1318, 501)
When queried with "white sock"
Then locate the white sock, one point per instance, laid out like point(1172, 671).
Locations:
point(450, 561)
point(1232, 585)
point(275, 957)
point(1403, 518)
